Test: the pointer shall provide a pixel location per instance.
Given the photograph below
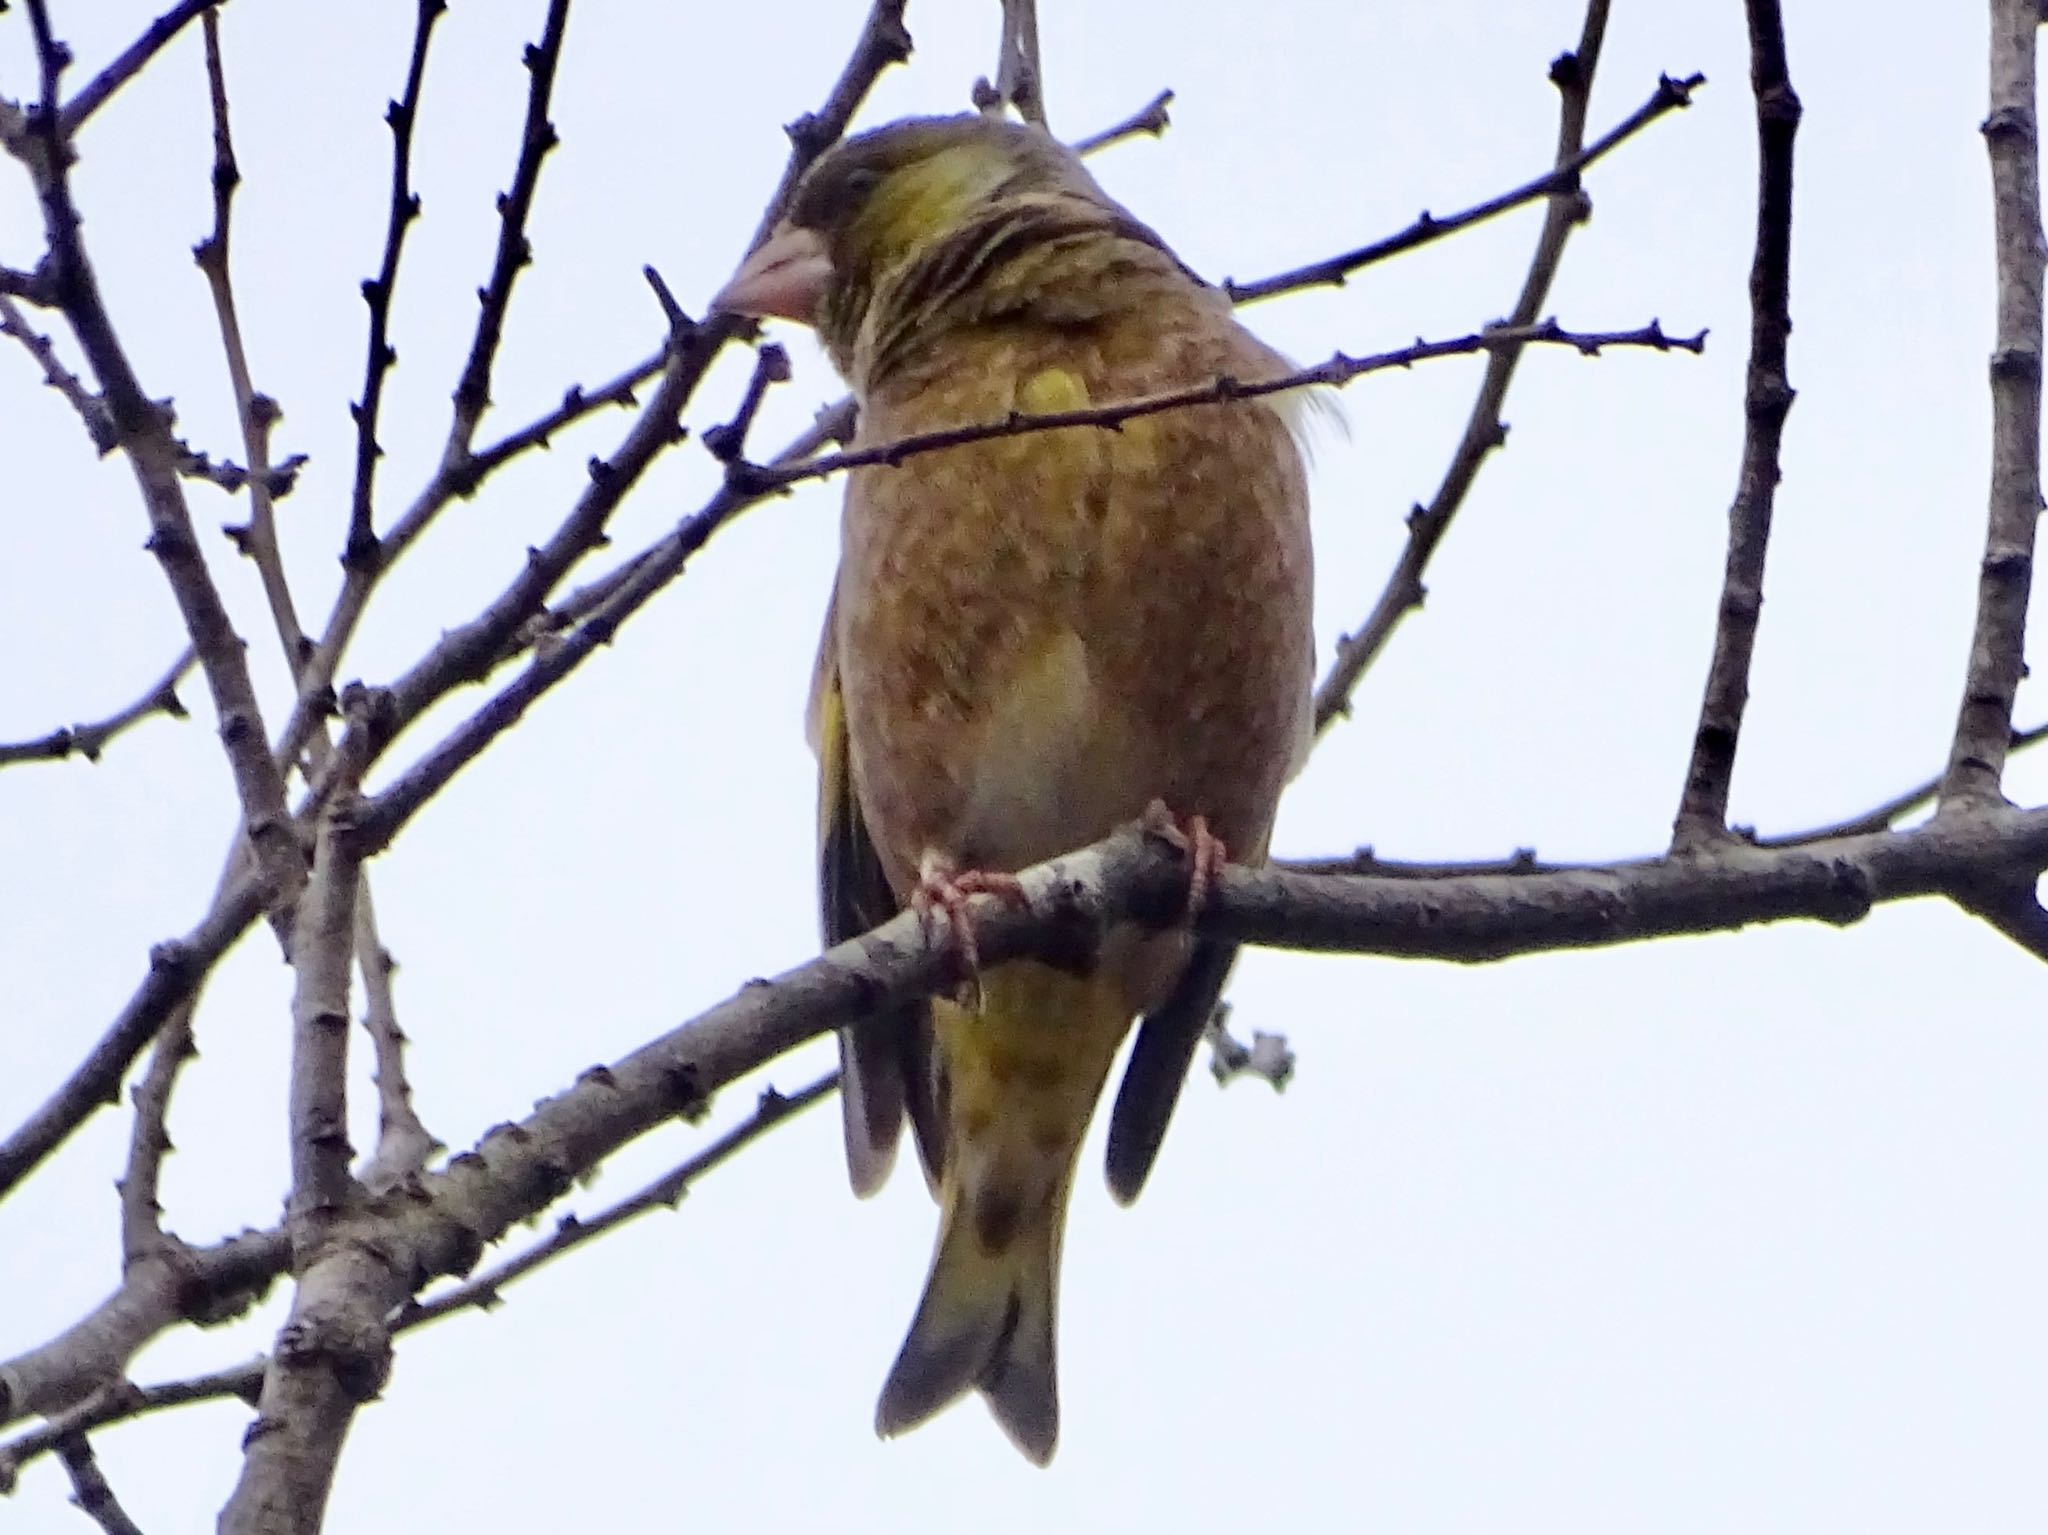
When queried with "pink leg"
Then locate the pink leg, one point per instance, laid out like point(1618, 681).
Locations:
point(944, 892)
point(1205, 851)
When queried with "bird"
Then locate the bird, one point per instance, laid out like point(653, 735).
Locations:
point(1032, 639)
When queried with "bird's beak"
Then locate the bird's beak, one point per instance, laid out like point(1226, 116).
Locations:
point(786, 277)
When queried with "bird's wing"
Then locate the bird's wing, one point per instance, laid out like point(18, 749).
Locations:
point(1159, 1064)
point(885, 1061)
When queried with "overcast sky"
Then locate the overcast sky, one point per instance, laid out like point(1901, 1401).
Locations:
point(1736, 1233)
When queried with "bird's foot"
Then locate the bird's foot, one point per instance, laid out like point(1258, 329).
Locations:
point(1203, 850)
point(942, 893)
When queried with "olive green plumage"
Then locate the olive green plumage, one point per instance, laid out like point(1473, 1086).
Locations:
point(1031, 639)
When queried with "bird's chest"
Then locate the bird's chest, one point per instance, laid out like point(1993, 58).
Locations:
point(1018, 618)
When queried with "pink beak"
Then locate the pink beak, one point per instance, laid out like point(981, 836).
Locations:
point(785, 277)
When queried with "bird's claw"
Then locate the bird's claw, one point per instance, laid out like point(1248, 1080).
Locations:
point(943, 893)
point(1203, 849)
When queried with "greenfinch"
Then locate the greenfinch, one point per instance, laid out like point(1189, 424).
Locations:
point(1033, 639)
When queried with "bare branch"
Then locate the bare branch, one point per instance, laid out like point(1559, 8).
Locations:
point(1767, 398)
point(537, 137)
point(1878, 817)
point(149, 1141)
point(176, 967)
point(334, 1349)
point(404, 1144)
point(257, 413)
point(91, 409)
point(577, 403)
point(401, 116)
point(133, 58)
point(90, 739)
point(322, 958)
point(89, 1488)
point(1020, 75)
point(1997, 648)
point(30, 287)
point(884, 41)
point(1149, 121)
point(1340, 370)
point(486, 1290)
point(1572, 74)
point(204, 1285)
point(122, 1403)
point(1562, 180)
point(144, 429)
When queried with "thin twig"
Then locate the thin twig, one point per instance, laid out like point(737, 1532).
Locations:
point(1149, 121)
point(1767, 398)
point(401, 116)
point(90, 408)
point(1976, 762)
point(1878, 817)
point(1562, 179)
point(89, 1487)
point(485, 1290)
point(1339, 370)
point(257, 413)
point(577, 403)
point(90, 739)
point(404, 1144)
point(30, 287)
point(883, 41)
point(122, 1403)
point(149, 1140)
point(515, 251)
point(133, 58)
point(1572, 74)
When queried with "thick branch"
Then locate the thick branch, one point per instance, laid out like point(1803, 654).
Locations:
point(1997, 649)
point(518, 1170)
point(202, 1285)
point(1767, 397)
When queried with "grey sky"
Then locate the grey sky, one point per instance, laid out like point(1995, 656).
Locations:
point(1746, 1233)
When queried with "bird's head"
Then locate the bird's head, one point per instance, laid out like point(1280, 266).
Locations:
point(926, 219)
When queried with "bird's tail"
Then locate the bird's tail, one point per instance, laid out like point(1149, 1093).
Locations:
point(1022, 1075)
point(986, 1321)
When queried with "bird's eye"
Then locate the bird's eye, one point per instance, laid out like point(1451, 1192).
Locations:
point(860, 182)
